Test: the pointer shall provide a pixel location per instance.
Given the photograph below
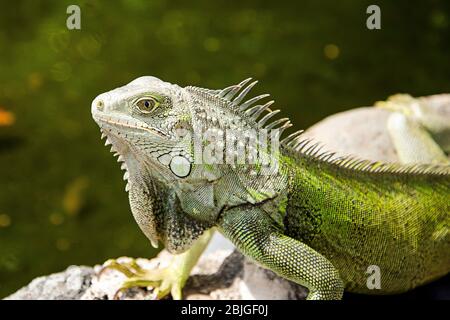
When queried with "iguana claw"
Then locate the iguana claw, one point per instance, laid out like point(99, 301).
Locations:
point(163, 281)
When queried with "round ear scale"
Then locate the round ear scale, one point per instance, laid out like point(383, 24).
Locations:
point(180, 166)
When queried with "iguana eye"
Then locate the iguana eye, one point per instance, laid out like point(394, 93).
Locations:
point(147, 105)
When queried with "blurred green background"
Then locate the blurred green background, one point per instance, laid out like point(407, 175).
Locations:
point(62, 198)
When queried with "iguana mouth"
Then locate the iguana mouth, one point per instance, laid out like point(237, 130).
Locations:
point(129, 123)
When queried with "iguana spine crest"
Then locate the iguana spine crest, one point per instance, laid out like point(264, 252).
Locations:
point(234, 95)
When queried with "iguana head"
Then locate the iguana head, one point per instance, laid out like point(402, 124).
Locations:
point(142, 119)
point(158, 131)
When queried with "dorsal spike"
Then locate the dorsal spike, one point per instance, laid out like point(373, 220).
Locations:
point(327, 156)
point(244, 92)
point(264, 119)
point(338, 160)
point(224, 92)
point(292, 136)
point(276, 122)
point(302, 144)
point(248, 103)
point(285, 126)
point(259, 112)
point(355, 164)
point(311, 148)
point(296, 141)
point(250, 111)
point(256, 111)
point(229, 96)
point(365, 165)
point(348, 161)
point(266, 107)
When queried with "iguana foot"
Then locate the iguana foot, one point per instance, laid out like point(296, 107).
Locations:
point(163, 281)
point(402, 103)
point(170, 279)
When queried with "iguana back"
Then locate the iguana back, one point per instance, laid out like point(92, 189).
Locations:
point(398, 221)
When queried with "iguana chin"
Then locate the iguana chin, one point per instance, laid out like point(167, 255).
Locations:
point(315, 219)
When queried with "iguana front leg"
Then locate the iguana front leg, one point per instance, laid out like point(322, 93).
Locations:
point(257, 236)
point(169, 280)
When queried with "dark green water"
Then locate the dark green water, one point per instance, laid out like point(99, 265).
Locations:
point(62, 198)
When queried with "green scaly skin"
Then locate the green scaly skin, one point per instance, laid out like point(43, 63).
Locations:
point(317, 220)
point(399, 222)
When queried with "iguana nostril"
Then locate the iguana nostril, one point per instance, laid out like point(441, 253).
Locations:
point(100, 105)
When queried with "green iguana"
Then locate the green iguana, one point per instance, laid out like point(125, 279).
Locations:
point(313, 218)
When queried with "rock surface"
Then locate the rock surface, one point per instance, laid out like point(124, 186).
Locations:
point(222, 274)
point(350, 132)
point(69, 284)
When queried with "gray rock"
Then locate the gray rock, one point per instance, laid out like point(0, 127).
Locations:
point(222, 274)
point(359, 132)
point(67, 285)
point(262, 284)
